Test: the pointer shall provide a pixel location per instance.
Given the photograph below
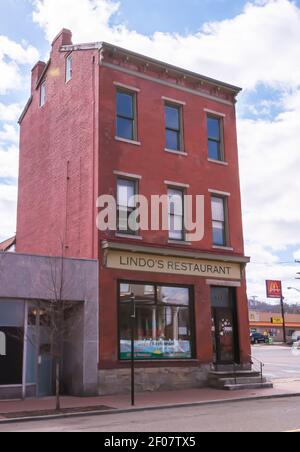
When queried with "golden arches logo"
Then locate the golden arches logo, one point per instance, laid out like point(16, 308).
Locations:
point(274, 289)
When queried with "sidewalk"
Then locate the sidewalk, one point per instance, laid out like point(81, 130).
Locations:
point(106, 404)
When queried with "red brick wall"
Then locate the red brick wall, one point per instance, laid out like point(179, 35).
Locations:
point(56, 185)
point(156, 166)
point(68, 154)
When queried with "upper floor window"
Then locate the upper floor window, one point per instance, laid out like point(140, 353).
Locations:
point(173, 116)
point(219, 220)
point(127, 189)
point(215, 138)
point(176, 214)
point(126, 115)
point(43, 94)
point(69, 68)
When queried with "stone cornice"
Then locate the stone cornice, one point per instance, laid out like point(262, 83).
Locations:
point(165, 73)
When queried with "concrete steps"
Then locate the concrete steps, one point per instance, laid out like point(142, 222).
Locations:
point(239, 380)
point(240, 387)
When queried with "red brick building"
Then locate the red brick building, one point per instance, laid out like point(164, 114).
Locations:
point(104, 120)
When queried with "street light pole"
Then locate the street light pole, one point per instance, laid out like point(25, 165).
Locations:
point(283, 319)
point(133, 317)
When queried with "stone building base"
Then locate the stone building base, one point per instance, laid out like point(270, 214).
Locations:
point(118, 381)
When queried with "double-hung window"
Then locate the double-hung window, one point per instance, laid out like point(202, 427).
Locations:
point(69, 68)
point(127, 190)
point(43, 94)
point(215, 138)
point(174, 136)
point(219, 220)
point(176, 214)
point(126, 115)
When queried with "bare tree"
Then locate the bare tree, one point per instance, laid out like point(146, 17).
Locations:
point(58, 319)
point(61, 318)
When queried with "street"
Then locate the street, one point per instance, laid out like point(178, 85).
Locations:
point(280, 362)
point(256, 416)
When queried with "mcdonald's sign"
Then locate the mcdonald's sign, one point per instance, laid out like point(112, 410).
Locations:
point(274, 289)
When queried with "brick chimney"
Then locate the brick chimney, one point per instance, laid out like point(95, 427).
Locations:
point(36, 73)
point(64, 38)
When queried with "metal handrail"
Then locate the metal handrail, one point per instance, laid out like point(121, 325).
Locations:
point(261, 365)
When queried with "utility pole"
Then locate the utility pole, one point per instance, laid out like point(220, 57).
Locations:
point(275, 290)
point(283, 319)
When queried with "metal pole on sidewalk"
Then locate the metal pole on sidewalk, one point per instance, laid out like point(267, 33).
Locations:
point(283, 319)
point(133, 317)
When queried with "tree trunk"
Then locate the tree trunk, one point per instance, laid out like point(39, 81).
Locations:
point(57, 385)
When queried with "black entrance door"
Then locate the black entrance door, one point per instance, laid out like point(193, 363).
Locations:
point(224, 326)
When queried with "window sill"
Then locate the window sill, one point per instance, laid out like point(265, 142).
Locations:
point(163, 360)
point(128, 236)
point(225, 248)
point(179, 242)
point(170, 151)
point(124, 140)
point(218, 162)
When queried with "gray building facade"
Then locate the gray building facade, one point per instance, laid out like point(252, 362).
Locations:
point(27, 285)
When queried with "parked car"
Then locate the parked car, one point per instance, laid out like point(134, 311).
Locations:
point(257, 338)
point(296, 336)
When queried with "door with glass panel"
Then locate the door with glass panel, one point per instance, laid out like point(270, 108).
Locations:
point(224, 326)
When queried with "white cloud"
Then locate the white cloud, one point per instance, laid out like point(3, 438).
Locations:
point(297, 255)
point(8, 207)
point(270, 162)
point(9, 134)
point(12, 57)
point(259, 45)
point(9, 162)
point(10, 112)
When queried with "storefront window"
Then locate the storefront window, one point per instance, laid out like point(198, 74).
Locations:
point(12, 340)
point(162, 322)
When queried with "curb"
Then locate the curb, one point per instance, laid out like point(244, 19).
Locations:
point(151, 408)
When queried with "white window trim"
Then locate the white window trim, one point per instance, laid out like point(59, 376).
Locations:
point(218, 192)
point(215, 113)
point(171, 184)
point(127, 87)
point(179, 242)
point(218, 162)
point(128, 236)
point(170, 151)
point(225, 248)
point(123, 140)
point(129, 175)
point(173, 101)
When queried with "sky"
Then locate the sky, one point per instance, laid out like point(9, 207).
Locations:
point(253, 44)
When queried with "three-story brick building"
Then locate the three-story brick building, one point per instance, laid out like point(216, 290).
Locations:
point(102, 120)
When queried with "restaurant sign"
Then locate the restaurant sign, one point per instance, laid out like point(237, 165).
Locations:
point(274, 289)
point(172, 265)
